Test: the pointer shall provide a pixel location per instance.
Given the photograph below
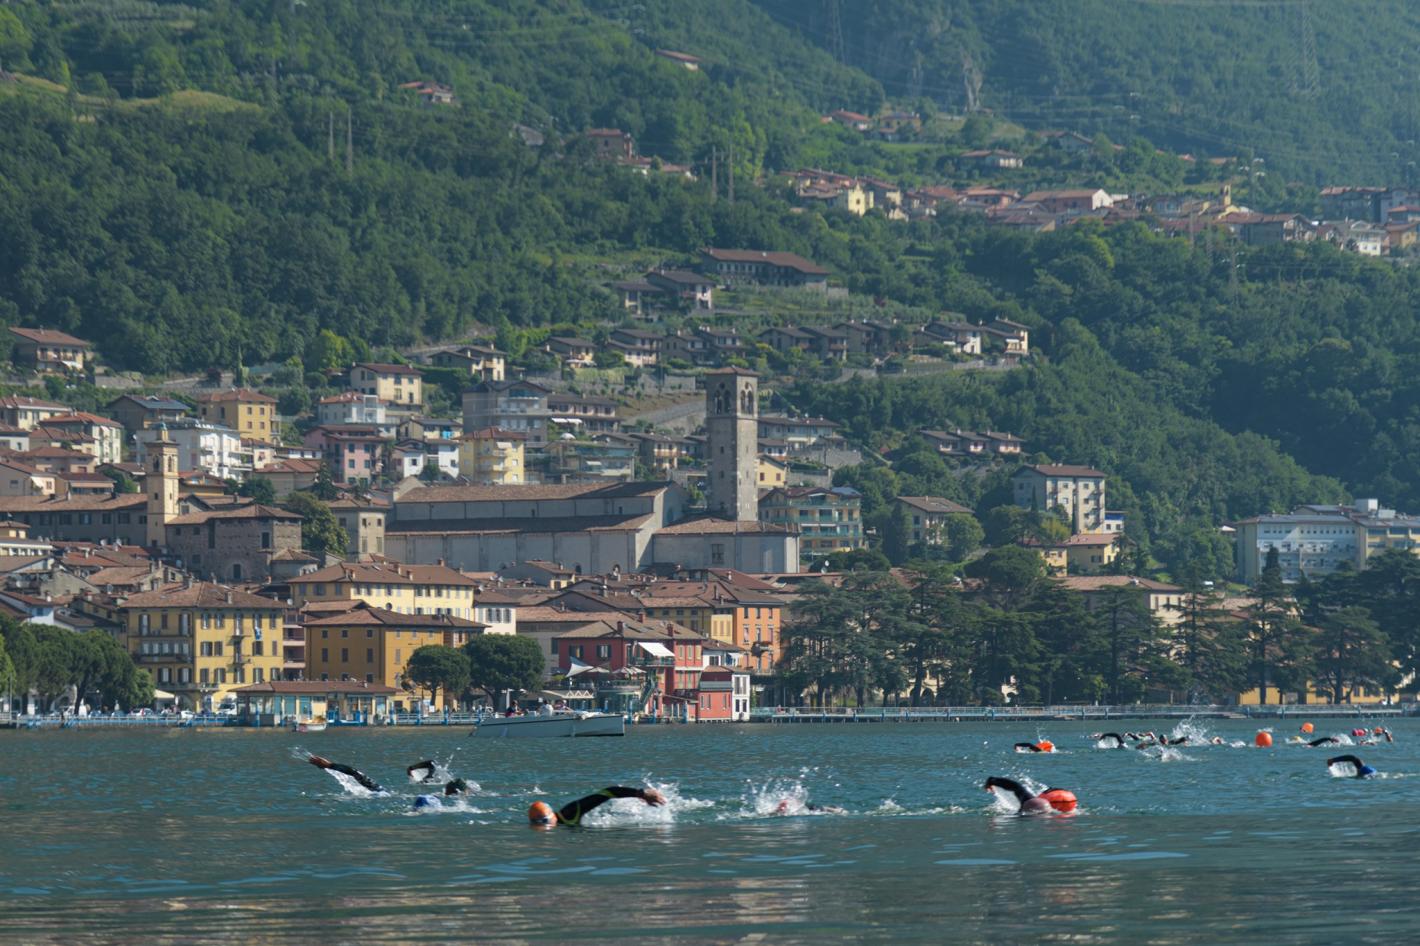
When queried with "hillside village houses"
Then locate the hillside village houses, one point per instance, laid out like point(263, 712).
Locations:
point(547, 514)
point(42, 349)
point(546, 477)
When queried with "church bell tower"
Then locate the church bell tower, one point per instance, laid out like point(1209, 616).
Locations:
point(732, 440)
point(161, 485)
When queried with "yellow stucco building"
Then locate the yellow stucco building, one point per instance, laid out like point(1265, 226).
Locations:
point(250, 413)
point(493, 455)
point(403, 589)
point(200, 641)
point(393, 384)
point(373, 645)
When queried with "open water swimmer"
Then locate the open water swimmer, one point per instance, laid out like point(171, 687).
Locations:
point(1044, 745)
point(1048, 801)
point(364, 780)
point(452, 788)
point(1362, 769)
point(570, 815)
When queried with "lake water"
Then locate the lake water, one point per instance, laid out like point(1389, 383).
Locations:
point(224, 836)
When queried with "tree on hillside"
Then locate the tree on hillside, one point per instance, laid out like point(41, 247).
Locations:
point(258, 489)
point(321, 533)
point(499, 662)
point(324, 487)
point(435, 667)
point(961, 535)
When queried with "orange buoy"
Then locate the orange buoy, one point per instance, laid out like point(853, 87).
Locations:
point(1307, 727)
point(1045, 745)
point(1263, 740)
point(1061, 799)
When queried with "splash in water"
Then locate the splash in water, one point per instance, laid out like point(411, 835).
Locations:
point(775, 797)
point(632, 811)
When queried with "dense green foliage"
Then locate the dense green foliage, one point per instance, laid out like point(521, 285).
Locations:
point(436, 668)
point(321, 533)
point(1174, 476)
point(1319, 89)
point(188, 233)
point(49, 660)
point(500, 662)
point(1015, 632)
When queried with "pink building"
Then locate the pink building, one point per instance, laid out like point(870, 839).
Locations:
point(354, 452)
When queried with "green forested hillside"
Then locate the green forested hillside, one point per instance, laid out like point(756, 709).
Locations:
point(1324, 91)
point(176, 189)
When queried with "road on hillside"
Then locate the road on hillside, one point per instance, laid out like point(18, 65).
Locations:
point(684, 417)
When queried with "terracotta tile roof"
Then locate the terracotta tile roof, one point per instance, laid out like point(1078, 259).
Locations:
point(14, 401)
point(536, 524)
point(473, 494)
point(292, 465)
point(785, 260)
point(251, 511)
point(120, 576)
point(709, 526)
point(365, 615)
point(1048, 469)
point(200, 594)
point(385, 574)
point(935, 504)
point(1086, 583)
point(48, 336)
point(122, 502)
point(240, 395)
point(380, 368)
point(80, 417)
point(354, 502)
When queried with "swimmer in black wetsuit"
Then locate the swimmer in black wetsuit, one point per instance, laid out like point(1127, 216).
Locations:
point(1030, 804)
point(541, 815)
point(453, 787)
point(1028, 747)
point(1362, 769)
point(1324, 741)
point(422, 771)
point(1166, 741)
point(364, 780)
point(1102, 736)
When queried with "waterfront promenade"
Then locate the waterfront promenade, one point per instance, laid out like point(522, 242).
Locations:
point(800, 715)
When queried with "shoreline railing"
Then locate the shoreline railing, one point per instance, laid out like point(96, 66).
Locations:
point(890, 714)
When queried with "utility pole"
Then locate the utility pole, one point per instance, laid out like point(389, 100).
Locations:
point(714, 172)
point(330, 137)
point(731, 171)
point(835, 30)
point(349, 143)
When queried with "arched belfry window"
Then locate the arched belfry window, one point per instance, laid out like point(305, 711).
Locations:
point(747, 401)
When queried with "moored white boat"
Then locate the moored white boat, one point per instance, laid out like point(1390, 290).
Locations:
point(558, 724)
point(310, 725)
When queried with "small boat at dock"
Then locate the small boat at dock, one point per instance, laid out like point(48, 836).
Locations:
point(557, 724)
point(317, 724)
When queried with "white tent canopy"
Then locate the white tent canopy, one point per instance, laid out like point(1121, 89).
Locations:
point(655, 649)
